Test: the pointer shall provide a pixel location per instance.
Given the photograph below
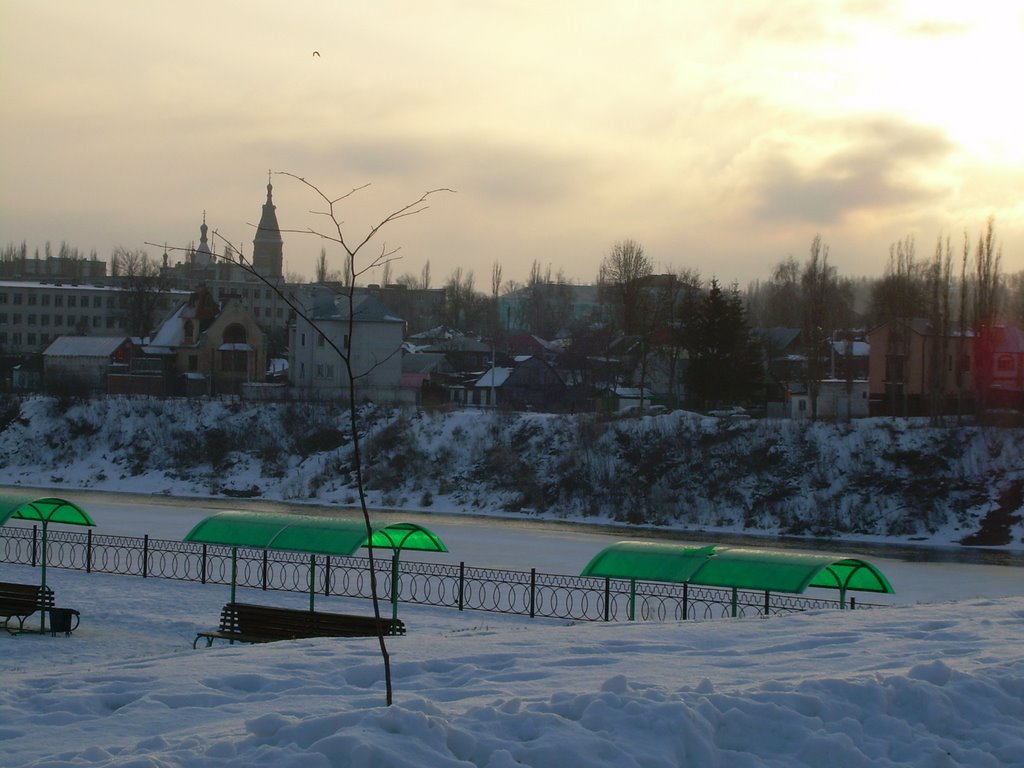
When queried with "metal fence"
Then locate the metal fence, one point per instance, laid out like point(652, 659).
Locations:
point(526, 593)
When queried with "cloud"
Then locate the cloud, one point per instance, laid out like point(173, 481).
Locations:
point(871, 165)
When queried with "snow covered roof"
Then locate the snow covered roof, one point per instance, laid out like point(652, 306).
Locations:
point(493, 378)
point(857, 348)
point(170, 333)
point(84, 346)
point(631, 393)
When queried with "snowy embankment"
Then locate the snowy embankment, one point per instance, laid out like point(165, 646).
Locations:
point(875, 477)
point(921, 685)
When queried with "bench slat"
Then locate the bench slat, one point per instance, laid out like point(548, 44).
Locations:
point(246, 623)
point(22, 600)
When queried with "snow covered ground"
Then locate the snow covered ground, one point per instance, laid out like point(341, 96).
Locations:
point(922, 683)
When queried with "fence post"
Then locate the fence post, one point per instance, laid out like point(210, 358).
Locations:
point(88, 551)
point(462, 583)
point(202, 567)
point(263, 578)
point(607, 598)
point(735, 600)
point(853, 603)
point(686, 600)
point(35, 543)
point(533, 591)
point(767, 603)
point(327, 575)
point(145, 556)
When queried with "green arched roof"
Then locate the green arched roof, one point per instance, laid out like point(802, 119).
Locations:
point(44, 510)
point(655, 560)
point(306, 533)
point(739, 567)
point(780, 571)
point(399, 536)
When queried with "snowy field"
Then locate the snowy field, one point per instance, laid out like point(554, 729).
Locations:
point(935, 680)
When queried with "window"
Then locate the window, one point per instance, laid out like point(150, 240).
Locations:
point(3, 317)
point(58, 319)
point(110, 302)
point(234, 361)
point(16, 339)
point(302, 370)
point(30, 339)
point(72, 301)
point(234, 334)
point(17, 298)
point(44, 319)
point(45, 299)
point(3, 337)
point(97, 321)
point(16, 318)
point(58, 300)
point(31, 319)
point(303, 342)
point(110, 321)
point(1004, 364)
point(32, 299)
point(3, 298)
point(97, 302)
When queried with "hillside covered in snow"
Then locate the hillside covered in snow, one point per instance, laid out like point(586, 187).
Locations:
point(876, 477)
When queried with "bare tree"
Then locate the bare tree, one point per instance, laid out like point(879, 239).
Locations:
point(355, 266)
point(621, 277)
point(425, 276)
point(987, 290)
point(940, 278)
point(321, 267)
point(818, 289)
point(899, 297)
point(141, 280)
point(495, 295)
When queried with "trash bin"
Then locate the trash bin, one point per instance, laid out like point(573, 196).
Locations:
point(63, 620)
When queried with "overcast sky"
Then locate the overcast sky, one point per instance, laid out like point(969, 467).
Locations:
point(720, 136)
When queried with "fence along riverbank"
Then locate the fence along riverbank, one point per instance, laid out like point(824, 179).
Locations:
point(462, 587)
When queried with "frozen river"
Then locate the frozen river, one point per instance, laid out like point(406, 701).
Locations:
point(917, 574)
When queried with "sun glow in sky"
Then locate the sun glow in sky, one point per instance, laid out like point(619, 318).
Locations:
point(721, 136)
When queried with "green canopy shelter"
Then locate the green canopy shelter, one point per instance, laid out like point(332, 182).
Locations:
point(313, 535)
point(647, 561)
point(43, 511)
point(735, 568)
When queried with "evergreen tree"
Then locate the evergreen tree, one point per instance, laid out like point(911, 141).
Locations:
point(723, 360)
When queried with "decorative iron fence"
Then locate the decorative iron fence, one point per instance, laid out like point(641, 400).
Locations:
point(526, 593)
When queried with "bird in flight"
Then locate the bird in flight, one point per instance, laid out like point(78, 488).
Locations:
point(316, 53)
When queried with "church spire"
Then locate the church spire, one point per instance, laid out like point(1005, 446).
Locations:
point(202, 256)
point(268, 246)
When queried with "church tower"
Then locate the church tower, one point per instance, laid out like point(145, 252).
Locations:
point(268, 246)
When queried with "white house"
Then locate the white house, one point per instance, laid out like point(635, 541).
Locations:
point(835, 401)
point(317, 370)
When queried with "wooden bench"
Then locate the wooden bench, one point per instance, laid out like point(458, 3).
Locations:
point(246, 623)
point(19, 601)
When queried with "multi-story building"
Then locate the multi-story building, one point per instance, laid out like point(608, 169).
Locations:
point(316, 369)
point(33, 313)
